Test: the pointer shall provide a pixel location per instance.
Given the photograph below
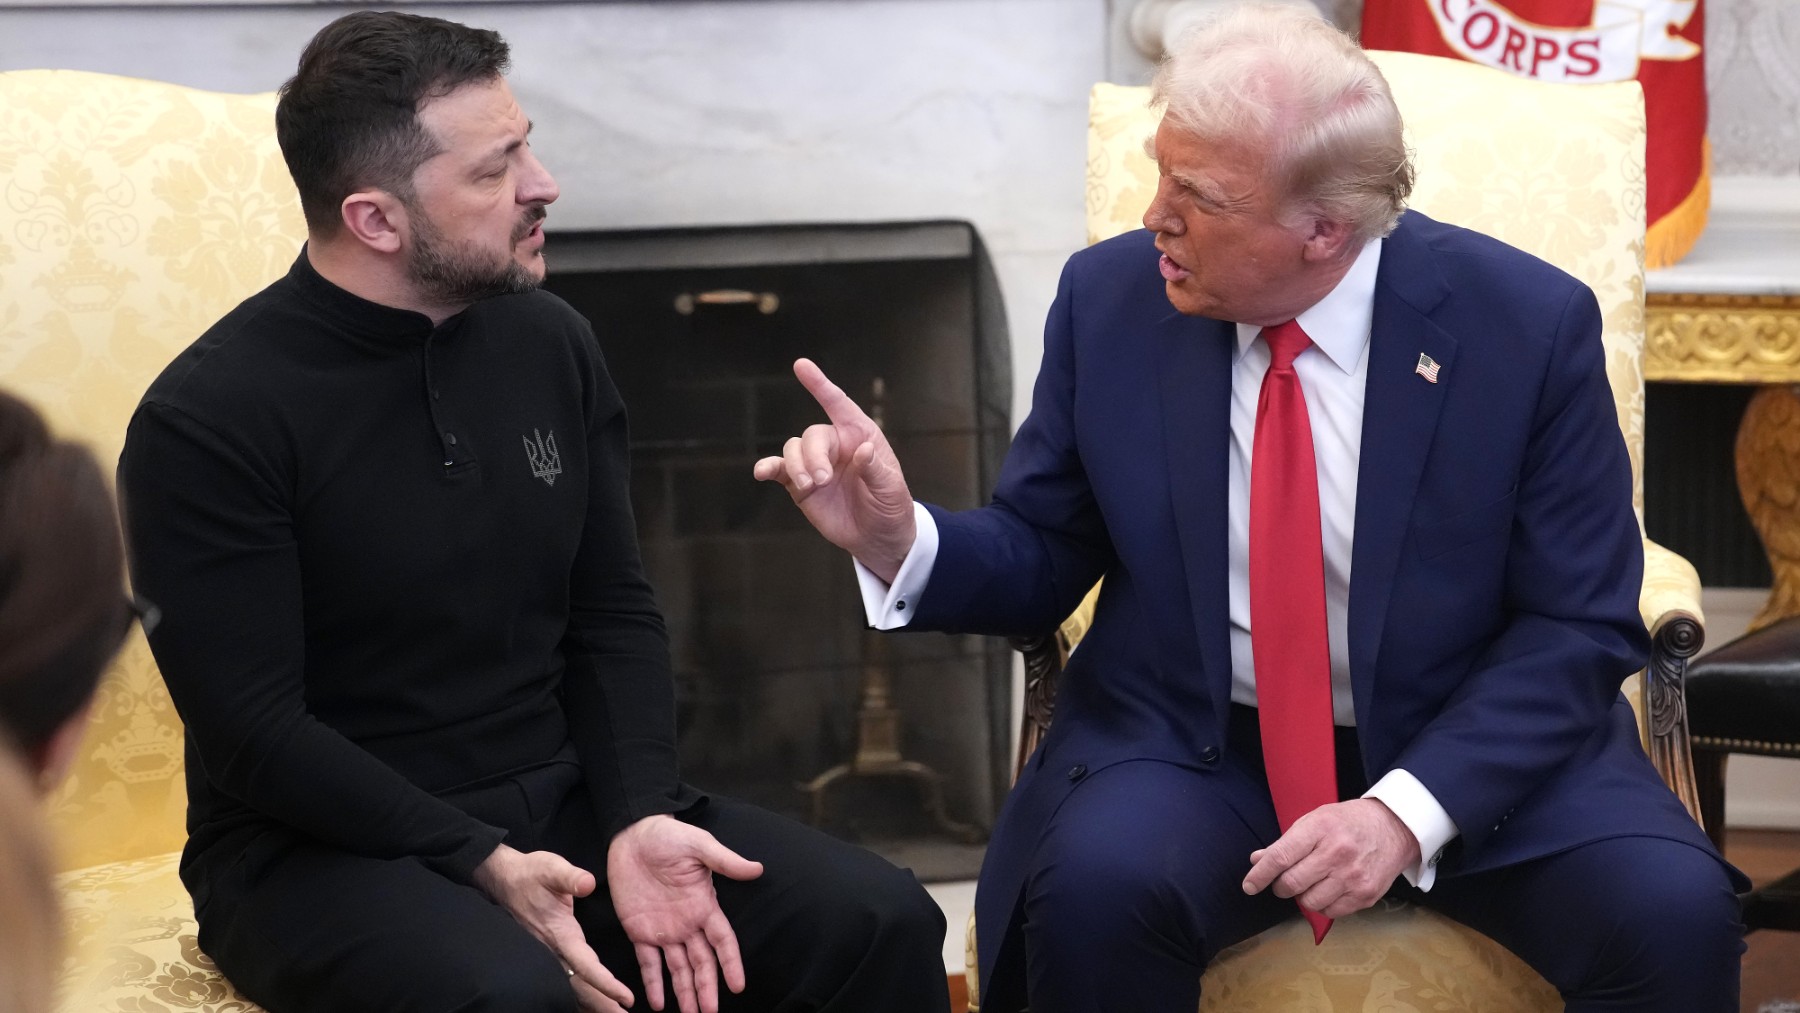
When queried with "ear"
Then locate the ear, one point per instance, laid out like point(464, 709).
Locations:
point(376, 218)
point(57, 754)
point(1325, 240)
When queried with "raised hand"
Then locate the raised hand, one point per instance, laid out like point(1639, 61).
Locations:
point(845, 479)
point(660, 871)
point(538, 889)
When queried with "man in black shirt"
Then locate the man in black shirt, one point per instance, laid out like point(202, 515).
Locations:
point(383, 507)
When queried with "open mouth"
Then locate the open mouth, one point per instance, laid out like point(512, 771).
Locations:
point(532, 227)
point(1172, 271)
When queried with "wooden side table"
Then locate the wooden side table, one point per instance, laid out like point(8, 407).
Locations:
point(1730, 313)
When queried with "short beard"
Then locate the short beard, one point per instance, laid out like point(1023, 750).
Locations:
point(456, 274)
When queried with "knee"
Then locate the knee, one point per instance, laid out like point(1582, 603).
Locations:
point(1673, 912)
point(872, 908)
point(890, 907)
point(1683, 893)
point(1092, 879)
point(858, 934)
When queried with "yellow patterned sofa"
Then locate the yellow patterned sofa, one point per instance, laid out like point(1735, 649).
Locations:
point(135, 214)
point(1556, 170)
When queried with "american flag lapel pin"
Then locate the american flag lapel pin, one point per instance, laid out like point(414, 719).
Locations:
point(1427, 367)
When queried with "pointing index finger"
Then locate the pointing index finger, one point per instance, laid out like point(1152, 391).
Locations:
point(838, 407)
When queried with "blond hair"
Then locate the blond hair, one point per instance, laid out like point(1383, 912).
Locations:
point(30, 917)
point(1286, 79)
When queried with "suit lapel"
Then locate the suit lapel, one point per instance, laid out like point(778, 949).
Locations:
point(1400, 416)
point(1194, 382)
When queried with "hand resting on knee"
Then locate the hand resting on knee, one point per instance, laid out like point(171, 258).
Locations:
point(1337, 859)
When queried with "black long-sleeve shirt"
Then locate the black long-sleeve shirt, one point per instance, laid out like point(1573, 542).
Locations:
point(395, 560)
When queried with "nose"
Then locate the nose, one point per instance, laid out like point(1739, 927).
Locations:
point(536, 185)
point(1160, 216)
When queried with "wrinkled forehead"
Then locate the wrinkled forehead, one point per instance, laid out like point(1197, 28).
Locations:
point(1179, 150)
point(474, 120)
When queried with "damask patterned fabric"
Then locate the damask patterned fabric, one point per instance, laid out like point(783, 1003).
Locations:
point(136, 214)
point(1557, 171)
point(133, 944)
point(1392, 958)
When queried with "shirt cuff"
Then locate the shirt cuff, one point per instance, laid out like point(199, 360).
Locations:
point(1418, 808)
point(890, 607)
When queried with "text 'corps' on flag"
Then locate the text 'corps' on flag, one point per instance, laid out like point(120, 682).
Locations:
point(1656, 42)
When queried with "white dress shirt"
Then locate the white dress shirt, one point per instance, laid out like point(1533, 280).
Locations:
point(1334, 376)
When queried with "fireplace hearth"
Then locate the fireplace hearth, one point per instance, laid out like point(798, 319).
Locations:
point(898, 742)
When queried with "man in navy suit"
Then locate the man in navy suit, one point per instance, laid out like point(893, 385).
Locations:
point(1428, 580)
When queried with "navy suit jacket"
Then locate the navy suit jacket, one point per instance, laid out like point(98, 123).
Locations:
point(1495, 570)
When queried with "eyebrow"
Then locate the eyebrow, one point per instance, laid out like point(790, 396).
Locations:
point(1199, 186)
point(510, 146)
point(1204, 189)
point(1211, 193)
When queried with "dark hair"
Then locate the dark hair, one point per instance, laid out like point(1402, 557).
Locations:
point(63, 610)
point(349, 117)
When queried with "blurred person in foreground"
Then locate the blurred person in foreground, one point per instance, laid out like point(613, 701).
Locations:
point(63, 615)
point(1356, 486)
point(63, 608)
point(30, 918)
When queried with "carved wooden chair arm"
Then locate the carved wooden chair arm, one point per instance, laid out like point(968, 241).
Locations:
point(1674, 640)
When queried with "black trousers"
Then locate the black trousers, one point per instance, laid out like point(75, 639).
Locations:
point(301, 927)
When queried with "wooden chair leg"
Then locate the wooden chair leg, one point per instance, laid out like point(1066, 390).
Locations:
point(1709, 781)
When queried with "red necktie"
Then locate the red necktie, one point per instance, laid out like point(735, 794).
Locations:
point(1287, 596)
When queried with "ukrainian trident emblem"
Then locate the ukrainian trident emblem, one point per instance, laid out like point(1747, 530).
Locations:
point(546, 463)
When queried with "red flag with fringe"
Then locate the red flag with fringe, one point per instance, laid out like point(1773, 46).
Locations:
point(1656, 42)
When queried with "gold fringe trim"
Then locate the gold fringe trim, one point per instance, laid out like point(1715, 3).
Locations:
point(1670, 237)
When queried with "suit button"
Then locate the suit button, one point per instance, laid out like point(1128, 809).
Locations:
point(1209, 755)
point(1078, 772)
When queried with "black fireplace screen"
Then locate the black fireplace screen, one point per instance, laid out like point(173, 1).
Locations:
point(785, 699)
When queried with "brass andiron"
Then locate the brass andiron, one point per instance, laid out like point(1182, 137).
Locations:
point(878, 721)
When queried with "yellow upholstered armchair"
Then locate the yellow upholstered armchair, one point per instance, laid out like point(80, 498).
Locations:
point(135, 214)
point(1558, 171)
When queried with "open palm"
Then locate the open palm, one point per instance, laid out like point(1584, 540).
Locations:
point(659, 872)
